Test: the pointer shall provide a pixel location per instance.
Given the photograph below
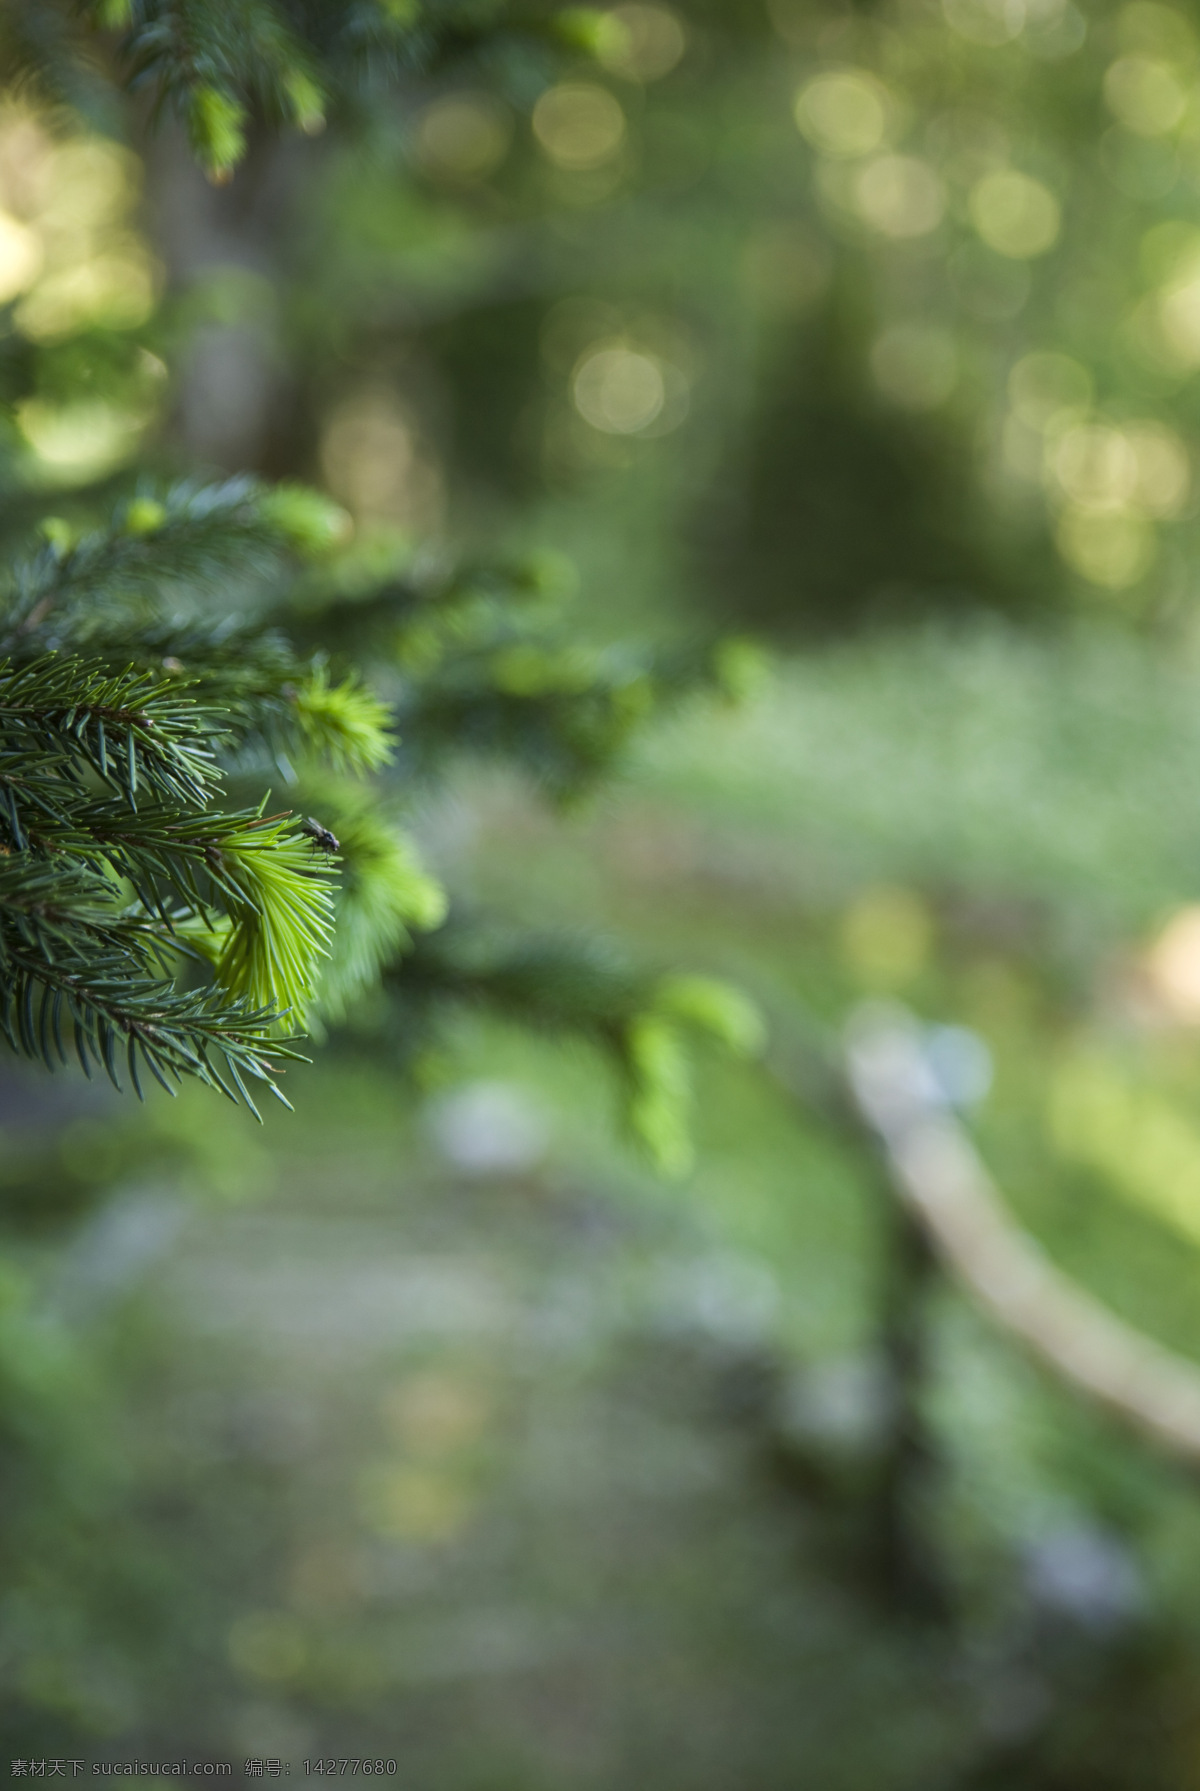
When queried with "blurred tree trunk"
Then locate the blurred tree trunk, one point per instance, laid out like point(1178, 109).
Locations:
point(903, 1503)
point(237, 405)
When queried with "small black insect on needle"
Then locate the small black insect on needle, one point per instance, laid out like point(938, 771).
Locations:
point(320, 836)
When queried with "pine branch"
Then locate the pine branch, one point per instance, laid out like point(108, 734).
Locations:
point(127, 729)
point(121, 695)
point(75, 965)
point(385, 896)
point(487, 660)
point(258, 871)
point(64, 911)
point(250, 887)
point(220, 62)
point(193, 540)
point(563, 711)
point(282, 914)
point(40, 50)
point(115, 1016)
point(570, 986)
point(260, 697)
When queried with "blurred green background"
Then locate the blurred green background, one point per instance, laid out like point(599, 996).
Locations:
point(426, 1424)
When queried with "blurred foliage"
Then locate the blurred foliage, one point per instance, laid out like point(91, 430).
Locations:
point(869, 329)
point(190, 584)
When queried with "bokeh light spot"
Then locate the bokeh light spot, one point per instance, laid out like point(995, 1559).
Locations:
point(91, 180)
point(1178, 316)
point(1144, 95)
point(1043, 386)
point(1053, 29)
point(843, 114)
point(376, 463)
point(1150, 29)
point(900, 196)
point(1114, 551)
point(986, 22)
point(26, 155)
point(76, 442)
point(579, 125)
point(464, 136)
point(1173, 965)
point(1142, 468)
point(117, 290)
point(619, 390)
point(418, 1504)
point(1096, 467)
point(641, 42)
point(20, 257)
point(1164, 473)
point(1015, 214)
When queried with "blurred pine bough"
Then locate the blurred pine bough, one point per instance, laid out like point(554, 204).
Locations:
point(163, 913)
point(905, 386)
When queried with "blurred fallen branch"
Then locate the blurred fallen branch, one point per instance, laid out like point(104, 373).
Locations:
point(937, 1173)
